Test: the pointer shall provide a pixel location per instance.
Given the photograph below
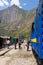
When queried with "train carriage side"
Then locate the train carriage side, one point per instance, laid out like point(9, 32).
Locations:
point(38, 31)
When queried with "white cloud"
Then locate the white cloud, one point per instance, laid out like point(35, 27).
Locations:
point(5, 2)
point(16, 2)
point(1, 3)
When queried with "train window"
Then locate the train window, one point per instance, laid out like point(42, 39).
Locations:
point(42, 19)
point(42, 5)
point(32, 27)
point(42, 33)
point(42, 40)
point(42, 47)
point(42, 25)
point(42, 12)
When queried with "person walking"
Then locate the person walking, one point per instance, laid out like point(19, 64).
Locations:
point(7, 43)
point(16, 41)
point(28, 42)
point(19, 43)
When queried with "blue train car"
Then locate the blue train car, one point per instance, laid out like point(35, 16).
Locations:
point(37, 31)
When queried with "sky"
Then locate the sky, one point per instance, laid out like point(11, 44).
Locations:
point(24, 4)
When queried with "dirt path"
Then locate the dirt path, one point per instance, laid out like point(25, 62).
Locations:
point(18, 57)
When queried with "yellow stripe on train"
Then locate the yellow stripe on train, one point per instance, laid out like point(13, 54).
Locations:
point(34, 40)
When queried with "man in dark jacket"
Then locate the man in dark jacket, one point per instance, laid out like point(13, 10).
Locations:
point(19, 42)
point(28, 42)
point(16, 41)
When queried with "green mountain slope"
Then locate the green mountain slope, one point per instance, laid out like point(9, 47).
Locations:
point(15, 21)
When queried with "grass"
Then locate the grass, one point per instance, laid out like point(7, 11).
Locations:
point(15, 33)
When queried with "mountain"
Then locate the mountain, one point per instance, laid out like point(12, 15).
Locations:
point(15, 21)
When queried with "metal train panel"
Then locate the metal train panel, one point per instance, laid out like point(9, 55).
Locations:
point(37, 31)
